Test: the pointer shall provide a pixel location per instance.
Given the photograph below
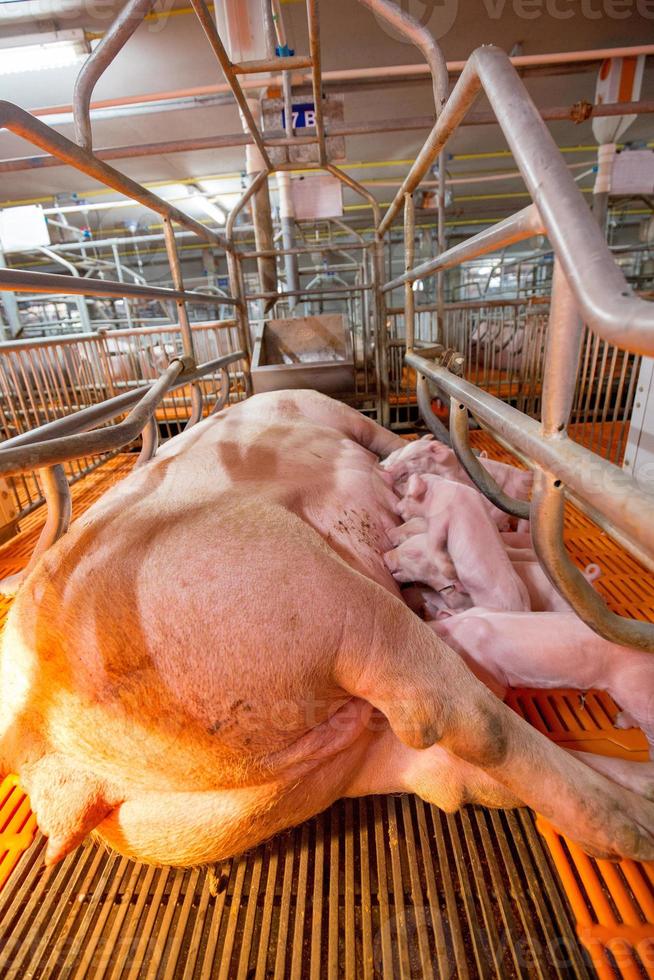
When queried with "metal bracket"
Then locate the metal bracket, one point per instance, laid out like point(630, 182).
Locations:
point(453, 361)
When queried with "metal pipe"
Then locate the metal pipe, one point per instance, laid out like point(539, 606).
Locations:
point(85, 322)
point(607, 303)
point(45, 282)
point(389, 73)
point(355, 288)
point(409, 257)
point(547, 527)
point(432, 421)
point(277, 138)
point(105, 411)
point(150, 436)
point(440, 277)
point(564, 339)
point(21, 123)
point(521, 225)
point(64, 340)
point(302, 250)
point(313, 22)
point(209, 28)
point(56, 494)
point(35, 455)
point(595, 480)
point(479, 475)
point(178, 283)
point(114, 39)
point(262, 65)
point(419, 35)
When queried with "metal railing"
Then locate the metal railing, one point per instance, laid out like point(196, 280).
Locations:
point(588, 287)
point(47, 378)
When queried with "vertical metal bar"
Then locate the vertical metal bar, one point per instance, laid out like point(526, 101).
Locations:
point(209, 28)
point(10, 304)
point(440, 275)
point(119, 273)
point(313, 21)
point(562, 355)
point(178, 282)
point(409, 255)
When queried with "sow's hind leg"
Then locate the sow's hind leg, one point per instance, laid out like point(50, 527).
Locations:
point(430, 697)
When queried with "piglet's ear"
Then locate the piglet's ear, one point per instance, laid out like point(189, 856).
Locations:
point(427, 438)
point(416, 487)
point(68, 802)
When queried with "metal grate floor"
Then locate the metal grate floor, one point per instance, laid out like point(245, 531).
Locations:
point(381, 887)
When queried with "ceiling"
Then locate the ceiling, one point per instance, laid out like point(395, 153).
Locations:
point(169, 53)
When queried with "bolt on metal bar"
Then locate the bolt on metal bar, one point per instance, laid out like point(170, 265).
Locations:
point(15, 119)
point(20, 281)
point(209, 28)
point(120, 31)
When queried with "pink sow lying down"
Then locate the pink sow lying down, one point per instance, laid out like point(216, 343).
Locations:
point(218, 650)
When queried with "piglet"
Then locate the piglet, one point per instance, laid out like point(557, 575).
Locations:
point(428, 456)
point(460, 553)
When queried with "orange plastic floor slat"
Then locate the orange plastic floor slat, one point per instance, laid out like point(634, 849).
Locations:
point(613, 904)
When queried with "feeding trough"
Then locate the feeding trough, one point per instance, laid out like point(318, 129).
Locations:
point(304, 352)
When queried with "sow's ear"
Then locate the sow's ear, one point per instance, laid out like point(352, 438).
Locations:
point(68, 802)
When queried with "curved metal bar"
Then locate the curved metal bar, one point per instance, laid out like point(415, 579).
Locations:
point(423, 39)
point(56, 493)
point(94, 415)
point(547, 512)
point(196, 407)
point(115, 38)
point(150, 443)
point(22, 123)
point(36, 455)
point(224, 392)
point(607, 303)
point(433, 423)
point(476, 471)
point(606, 487)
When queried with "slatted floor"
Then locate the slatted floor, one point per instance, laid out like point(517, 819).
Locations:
point(381, 887)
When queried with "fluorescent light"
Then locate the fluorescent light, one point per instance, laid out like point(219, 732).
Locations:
point(211, 209)
point(36, 52)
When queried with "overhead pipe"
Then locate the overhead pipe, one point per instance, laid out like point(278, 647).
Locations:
point(277, 138)
point(388, 73)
